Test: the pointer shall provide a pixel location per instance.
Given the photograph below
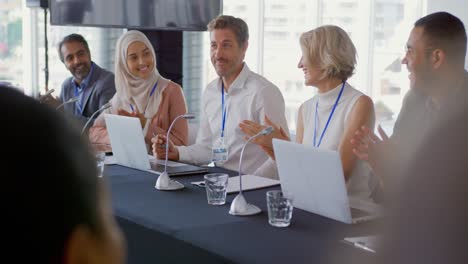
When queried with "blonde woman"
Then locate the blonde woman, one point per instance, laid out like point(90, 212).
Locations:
point(328, 120)
point(143, 93)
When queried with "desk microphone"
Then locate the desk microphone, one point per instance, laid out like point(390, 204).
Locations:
point(71, 100)
point(164, 182)
point(104, 107)
point(239, 205)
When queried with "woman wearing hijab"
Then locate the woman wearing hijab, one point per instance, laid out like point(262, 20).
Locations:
point(143, 93)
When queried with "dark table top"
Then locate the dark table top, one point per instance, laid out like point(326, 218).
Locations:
point(185, 216)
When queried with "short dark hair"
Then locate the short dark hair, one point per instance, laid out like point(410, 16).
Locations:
point(72, 38)
point(447, 32)
point(50, 178)
point(237, 25)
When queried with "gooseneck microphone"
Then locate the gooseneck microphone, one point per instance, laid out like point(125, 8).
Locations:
point(239, 205)
point(104, 107)
point(164, 182)
point(69, 101)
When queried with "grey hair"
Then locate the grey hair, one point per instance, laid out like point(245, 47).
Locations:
point(329, 48)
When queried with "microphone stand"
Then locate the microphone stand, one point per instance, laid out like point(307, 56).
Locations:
point(239, 205)
point(71, 100)
point(164, 182)
point(104, 107)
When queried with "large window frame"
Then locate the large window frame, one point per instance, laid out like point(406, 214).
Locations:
point(365, 79)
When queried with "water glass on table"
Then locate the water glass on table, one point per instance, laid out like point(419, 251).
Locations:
point(280, 208)
point(216, 185)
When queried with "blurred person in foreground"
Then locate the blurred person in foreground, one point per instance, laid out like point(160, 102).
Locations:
point(435, 58)
point(57, 209)
point(428, 217)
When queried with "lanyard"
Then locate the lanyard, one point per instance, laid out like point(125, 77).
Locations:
point(223, 108)
point(329, 118)
point(151, 94)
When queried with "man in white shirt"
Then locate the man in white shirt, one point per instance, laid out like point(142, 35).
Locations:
point(246, 96)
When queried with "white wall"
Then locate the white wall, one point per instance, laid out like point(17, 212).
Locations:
point(457, 8)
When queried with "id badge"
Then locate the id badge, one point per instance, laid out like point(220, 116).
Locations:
point(220, 152)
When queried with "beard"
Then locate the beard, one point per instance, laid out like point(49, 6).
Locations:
point(81, 70)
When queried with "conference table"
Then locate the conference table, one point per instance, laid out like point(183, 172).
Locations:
point(180, 226)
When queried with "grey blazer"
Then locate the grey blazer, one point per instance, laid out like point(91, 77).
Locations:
point(100, 90)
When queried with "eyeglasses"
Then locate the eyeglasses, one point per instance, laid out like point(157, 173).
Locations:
point(410, 50)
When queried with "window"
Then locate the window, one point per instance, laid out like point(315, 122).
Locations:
point(348, 4)
point(278, 7)
point(378, 28)
point(101, 43)
point(276, 35)
point(11, 55)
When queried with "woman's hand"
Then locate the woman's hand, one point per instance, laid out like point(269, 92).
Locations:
point(250, 128)
point(136, 114)
point(159, 148)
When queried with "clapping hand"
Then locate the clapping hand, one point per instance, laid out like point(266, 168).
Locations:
point(136, 114)
point(377, 151)
point(250, 128)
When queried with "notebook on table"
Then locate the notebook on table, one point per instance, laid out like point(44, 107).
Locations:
point(129, 148)
point(315, 179)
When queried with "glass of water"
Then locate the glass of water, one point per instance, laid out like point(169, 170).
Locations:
point(100, 161)
point(216, 185)
point(280, 208)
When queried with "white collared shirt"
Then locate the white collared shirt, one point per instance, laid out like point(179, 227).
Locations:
point(250, 97)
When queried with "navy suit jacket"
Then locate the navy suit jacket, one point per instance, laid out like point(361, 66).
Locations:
point(100, 90)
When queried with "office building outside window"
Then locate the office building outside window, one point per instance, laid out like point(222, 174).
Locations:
point(11, 39)
point(101, 43)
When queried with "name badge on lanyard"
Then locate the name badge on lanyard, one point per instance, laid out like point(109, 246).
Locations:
point(219, 150)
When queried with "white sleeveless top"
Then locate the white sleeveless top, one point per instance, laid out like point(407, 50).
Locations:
point(359, 184)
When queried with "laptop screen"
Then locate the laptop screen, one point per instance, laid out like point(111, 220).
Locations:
point(315, 179)
point(127, 141)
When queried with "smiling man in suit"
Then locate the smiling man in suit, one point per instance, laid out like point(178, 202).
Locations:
point(90, 84)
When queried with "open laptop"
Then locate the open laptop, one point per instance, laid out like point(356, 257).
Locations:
point(315, 179)
point(129, 148)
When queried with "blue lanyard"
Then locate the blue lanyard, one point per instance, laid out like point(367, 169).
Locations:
point(154, 89)
point(223, 108)
point(329, 118)
point(151, 94)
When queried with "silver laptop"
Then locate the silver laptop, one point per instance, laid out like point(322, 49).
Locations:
point(129, 148)
point(315, 179)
